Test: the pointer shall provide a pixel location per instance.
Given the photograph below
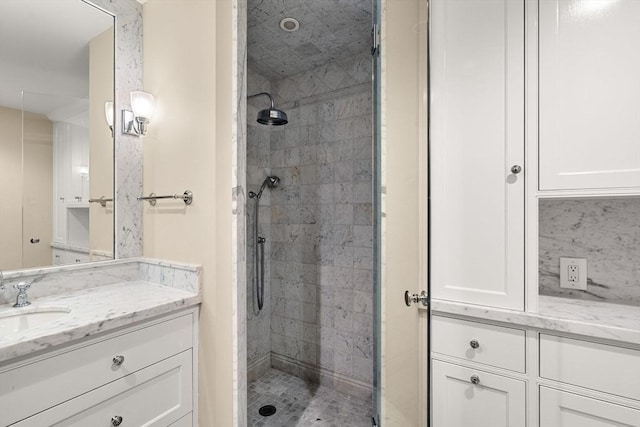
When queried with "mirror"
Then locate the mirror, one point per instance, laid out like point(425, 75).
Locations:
point(56, 149)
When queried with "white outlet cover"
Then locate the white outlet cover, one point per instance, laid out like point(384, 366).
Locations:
point(581, 263)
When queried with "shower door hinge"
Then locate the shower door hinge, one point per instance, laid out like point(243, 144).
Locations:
point(375, 40)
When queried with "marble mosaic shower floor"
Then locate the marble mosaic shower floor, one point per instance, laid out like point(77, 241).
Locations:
point(301, 403)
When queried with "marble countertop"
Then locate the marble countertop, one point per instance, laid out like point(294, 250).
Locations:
point(590, 319)
point(93, 311)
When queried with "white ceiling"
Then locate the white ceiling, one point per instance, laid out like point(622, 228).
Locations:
point(329, 30)
point(44, 48)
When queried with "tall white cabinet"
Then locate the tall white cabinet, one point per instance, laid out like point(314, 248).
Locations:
point(530, 99)
point(477, 151)
point(71, 192)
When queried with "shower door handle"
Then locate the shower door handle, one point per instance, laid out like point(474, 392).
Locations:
point(410, 298)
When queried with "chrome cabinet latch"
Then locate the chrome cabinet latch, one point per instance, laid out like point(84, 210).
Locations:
point(422, 297)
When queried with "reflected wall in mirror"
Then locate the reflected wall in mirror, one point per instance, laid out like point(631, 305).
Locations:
point(56, 149)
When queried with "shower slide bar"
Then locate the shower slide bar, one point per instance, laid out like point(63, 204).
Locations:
point(102, 200)
point(186, 197)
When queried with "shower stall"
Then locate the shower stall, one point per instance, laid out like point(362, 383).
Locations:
point(310, 285)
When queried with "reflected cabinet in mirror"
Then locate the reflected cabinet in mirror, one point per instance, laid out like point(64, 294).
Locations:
point(56, 148)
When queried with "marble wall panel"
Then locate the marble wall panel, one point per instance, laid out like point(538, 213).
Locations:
point(322, 318)
point(258, 139)
point(128, 149)
point(605, 231)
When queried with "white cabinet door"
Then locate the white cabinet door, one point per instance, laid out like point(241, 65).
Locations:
point(564, 409)
point(495, 401)
point(155, 396)
point(589, 111)
point(477, 135)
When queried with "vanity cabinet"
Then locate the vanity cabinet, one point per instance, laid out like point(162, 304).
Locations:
point(467, 388)
point(466, 396)
point(573, 370)
point(562, 408)
point(486, 374)
point(477, 151)
point(589, 94)
point(144, 374)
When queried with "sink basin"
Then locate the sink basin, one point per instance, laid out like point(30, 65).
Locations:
point(20, 319)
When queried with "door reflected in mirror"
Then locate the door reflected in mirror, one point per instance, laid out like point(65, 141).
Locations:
point(56, 148)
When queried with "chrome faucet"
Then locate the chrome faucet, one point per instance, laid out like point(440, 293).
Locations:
point(22, 299)
point(1, 281)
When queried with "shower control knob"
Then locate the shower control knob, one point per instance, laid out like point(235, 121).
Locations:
point(474, 344)
point(475, 380)
point(516, 169)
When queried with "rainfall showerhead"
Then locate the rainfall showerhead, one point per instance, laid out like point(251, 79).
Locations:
point(271, 116)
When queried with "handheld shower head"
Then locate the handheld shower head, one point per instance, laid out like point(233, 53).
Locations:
point(270, 181)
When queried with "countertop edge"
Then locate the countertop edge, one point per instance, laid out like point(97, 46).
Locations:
point(19, 351)
point(585, 328)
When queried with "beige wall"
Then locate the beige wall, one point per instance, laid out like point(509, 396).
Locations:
point(189, 147)
point(34, 192)
point(37, 178)
point(100, 142)
point(10, 188)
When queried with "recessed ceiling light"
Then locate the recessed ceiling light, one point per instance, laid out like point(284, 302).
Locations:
point(290, 24)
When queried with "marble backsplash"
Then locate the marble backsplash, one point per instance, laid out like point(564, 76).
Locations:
point(605, 231)
point(69, 278)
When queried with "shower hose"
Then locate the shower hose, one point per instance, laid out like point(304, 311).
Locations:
point(258, 261)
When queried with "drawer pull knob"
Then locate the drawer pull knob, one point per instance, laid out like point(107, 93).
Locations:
point(116, 420)
point(475, 379)
point(118, 360)
point(474, 344)
point(516, 169)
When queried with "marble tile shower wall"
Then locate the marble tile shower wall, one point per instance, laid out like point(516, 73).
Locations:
point(258, 167)
point(604, 231)
point(321, 225)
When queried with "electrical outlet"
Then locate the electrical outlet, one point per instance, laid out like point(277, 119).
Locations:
point(573, 273)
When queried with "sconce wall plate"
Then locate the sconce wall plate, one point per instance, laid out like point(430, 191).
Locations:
point(129, 123)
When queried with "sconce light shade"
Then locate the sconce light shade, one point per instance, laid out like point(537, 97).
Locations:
point(142, 104)
point(108, 114)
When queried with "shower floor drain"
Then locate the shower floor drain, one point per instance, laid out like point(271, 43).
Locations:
point(267, 410)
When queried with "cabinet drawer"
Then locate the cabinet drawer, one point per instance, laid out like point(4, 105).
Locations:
point(478, 342)
point(493, 401)
point(561, 408)
point(158, 395)
point(599, 367)
point(36, 386)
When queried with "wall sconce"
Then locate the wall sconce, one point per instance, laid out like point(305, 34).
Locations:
point(108, 115)
point(135, 122)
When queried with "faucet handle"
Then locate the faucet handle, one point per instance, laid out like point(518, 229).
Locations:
point(22, 299)
point(22, 286)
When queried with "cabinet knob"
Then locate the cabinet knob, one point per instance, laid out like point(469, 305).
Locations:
point(116, 420)
point(516, 169)
point(474, 344)
point(118, 360)
point(475, 379)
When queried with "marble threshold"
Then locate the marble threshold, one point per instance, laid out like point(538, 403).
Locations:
point(587, 318)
